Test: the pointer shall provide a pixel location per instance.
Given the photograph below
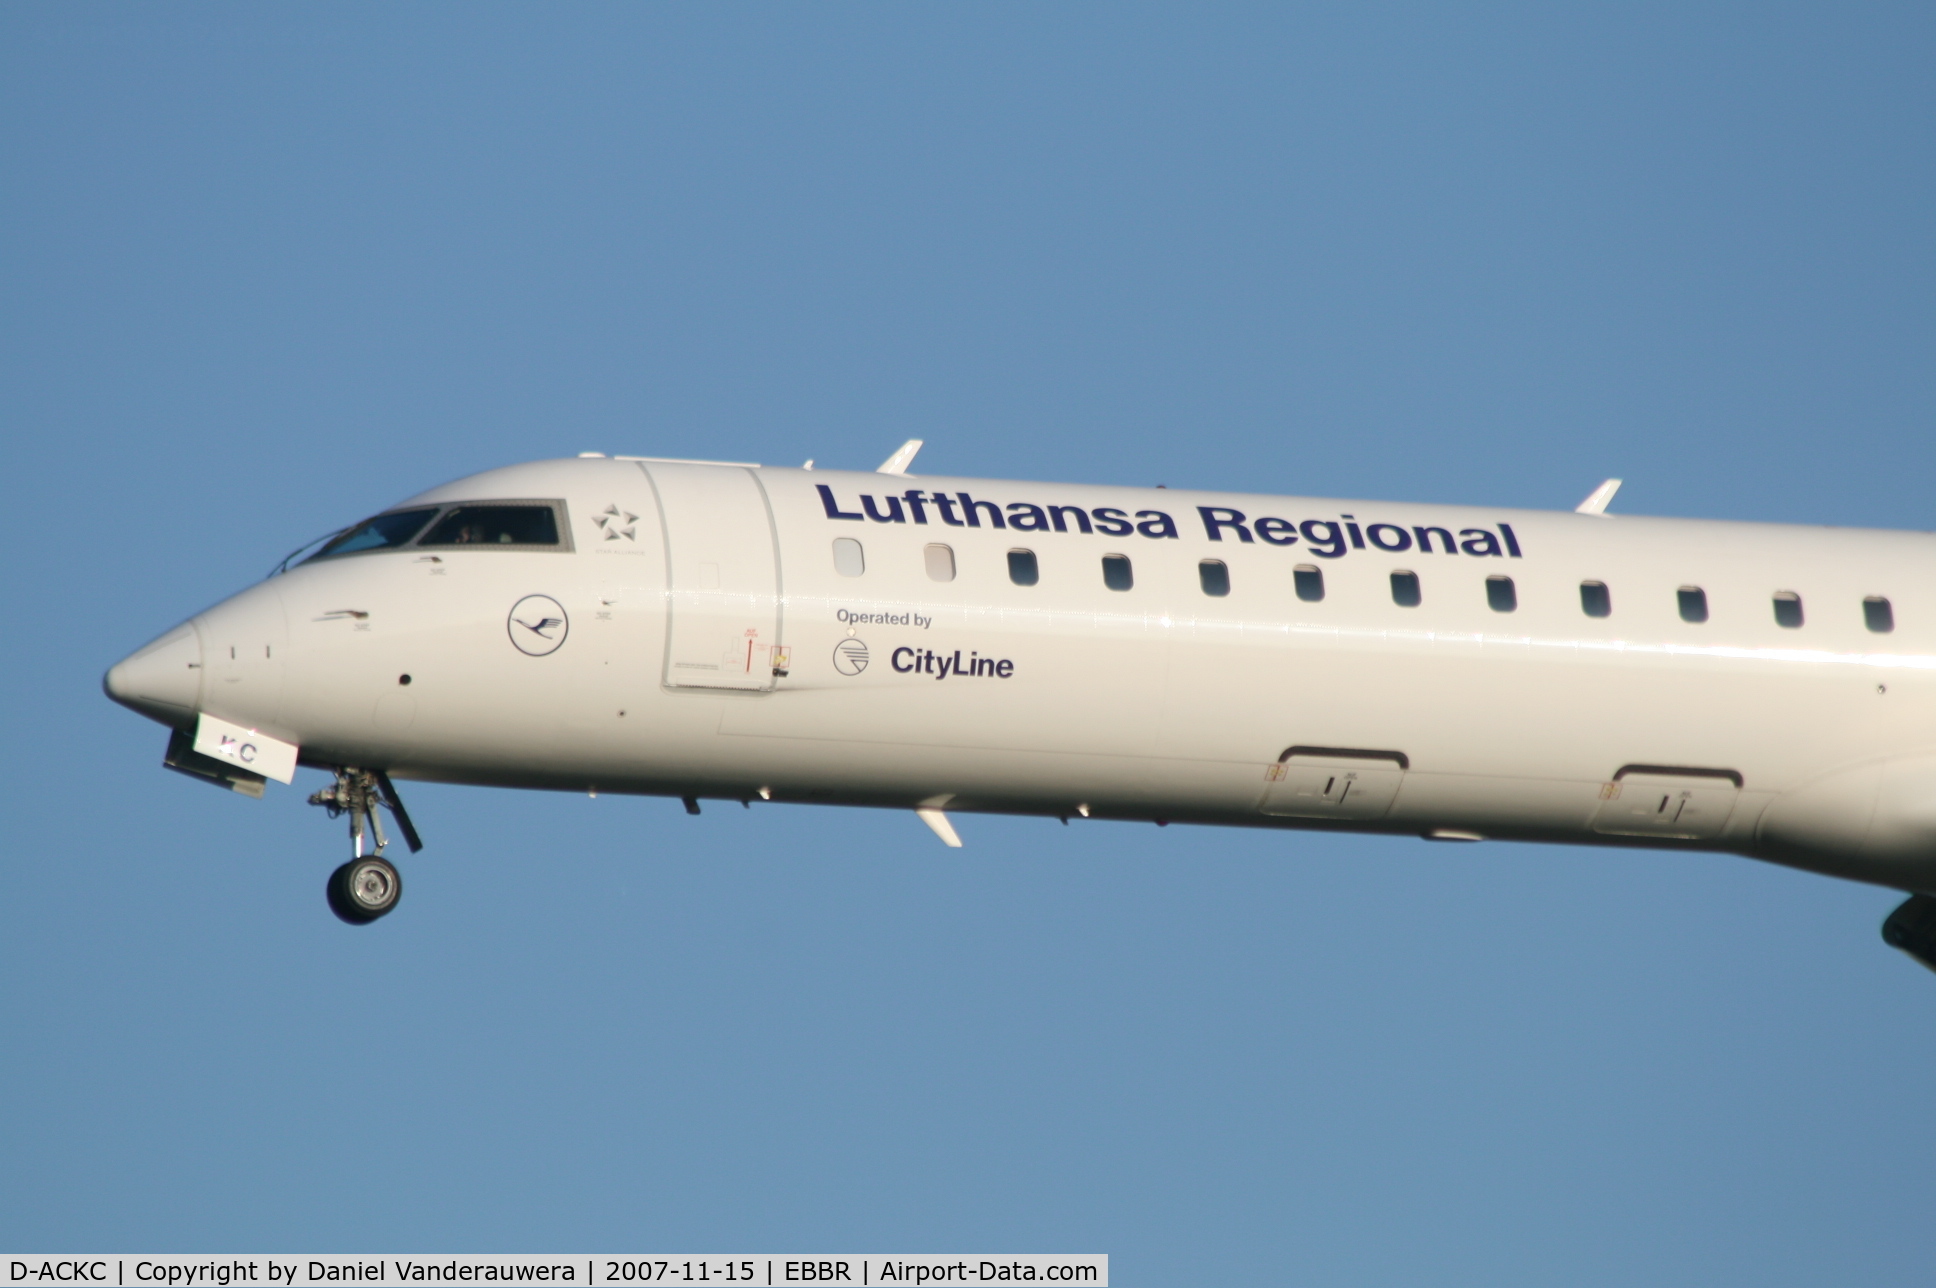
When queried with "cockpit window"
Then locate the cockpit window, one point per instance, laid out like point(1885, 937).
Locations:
point(381, 533)
point(503, 525)
point(495, 525)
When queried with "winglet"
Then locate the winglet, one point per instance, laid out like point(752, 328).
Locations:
point(899, 462)
point(1600, 499)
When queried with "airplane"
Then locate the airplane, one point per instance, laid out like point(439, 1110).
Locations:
point(717, 630)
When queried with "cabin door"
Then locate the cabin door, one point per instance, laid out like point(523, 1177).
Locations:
point(724, 572)
point(1686, 804)
point(1332, 782)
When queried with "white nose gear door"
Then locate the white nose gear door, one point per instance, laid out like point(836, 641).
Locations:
point(723, 565)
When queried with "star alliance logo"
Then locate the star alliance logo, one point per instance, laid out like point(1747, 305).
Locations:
point(617, 523)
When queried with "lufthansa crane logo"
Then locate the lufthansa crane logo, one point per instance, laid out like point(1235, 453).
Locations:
point(537, 625)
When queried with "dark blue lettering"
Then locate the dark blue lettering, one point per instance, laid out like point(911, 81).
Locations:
point(1478, 541)
point(917, 502)
point(949, 665)
point(1113, 523)
point(1155, 523)
point(1082, 517)
point(1399, 539)
point(1279, 532)
point(1425, 540)
point(1357, 538)
point(1330, 545)
point(946, 504)
point(1218, 517)
point(827, 501)
point(893, 514)
point(1512, 542)
point(1036, 521)
point(970, 509)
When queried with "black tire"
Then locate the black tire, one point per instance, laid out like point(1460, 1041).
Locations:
point(364, 889)
point(1912, 928)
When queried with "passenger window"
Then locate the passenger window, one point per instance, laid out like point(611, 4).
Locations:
point(1788, 609)
point(1877, 615)
point(495, 525)
point(941, 563)
point(1115, 572)
point(1022, 569)
point(849, 559)
point(384, 532)
point(1595, 599)
point(1214, 575)
point(1693, 604)
point(1310, 582)
point(1501, 595)
point(1405, 591)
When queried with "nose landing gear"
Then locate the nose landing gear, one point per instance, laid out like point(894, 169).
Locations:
point(368, 886)
point(364, 889)
point(1912, 928)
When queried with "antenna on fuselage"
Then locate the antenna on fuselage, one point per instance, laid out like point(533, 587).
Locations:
point(930, 812)
point(1600, 498)
point(899, 462)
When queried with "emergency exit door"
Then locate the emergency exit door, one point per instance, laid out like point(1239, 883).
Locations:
point(1332, 782)
point(1655, 800)
point(724, 610)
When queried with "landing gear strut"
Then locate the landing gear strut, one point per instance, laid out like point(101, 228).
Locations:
point(368, 886)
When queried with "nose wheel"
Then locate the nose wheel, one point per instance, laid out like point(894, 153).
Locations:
point(364, 889)
point(369, 885)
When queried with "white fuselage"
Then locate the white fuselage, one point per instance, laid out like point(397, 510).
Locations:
point(683, 588)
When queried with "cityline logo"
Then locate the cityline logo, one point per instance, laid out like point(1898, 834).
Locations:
point(942, 666)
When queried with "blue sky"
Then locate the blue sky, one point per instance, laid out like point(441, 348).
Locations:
point(268, 269)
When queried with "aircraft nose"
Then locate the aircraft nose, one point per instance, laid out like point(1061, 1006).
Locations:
point(163, 679)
